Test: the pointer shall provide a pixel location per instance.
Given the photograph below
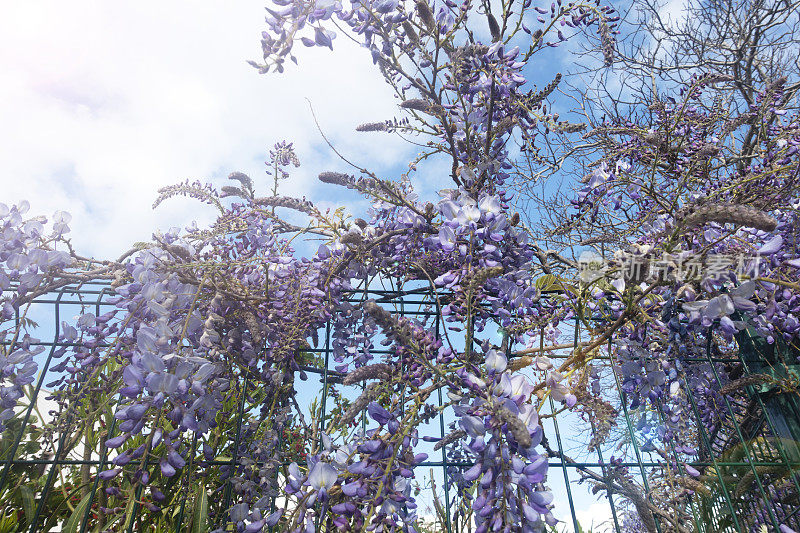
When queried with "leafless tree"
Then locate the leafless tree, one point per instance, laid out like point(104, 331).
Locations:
point(747, 45)
point(754, 42)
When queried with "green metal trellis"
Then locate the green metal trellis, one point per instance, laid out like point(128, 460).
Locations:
point(749, 459)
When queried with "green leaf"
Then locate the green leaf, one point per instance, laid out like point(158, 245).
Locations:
point(548, 282)
point(55, 513)
point(129, 518)
point(8, 522)
point(76, 517)
point(200, 514)
point(28, 502)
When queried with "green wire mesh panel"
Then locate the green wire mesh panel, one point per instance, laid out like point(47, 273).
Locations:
point(609, 468)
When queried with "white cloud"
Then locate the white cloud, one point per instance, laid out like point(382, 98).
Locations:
point(674, 11)
point(596, 518)
point(103, 103)
point(592, 512)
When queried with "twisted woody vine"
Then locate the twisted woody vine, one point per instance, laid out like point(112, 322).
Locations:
point(209, 319)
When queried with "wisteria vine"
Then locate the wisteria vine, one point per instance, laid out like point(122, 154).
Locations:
point(190, 385)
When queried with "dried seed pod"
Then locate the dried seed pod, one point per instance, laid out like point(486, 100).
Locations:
point(426, 15)
point(242, 178)
point(390, 324)
point(568, 127)
point(708, 150)
point(229, 190)
point(483, 275)
point(360, 403)
point(410, 32)
point(334, 178)
point(537, 98)
point(450, 438)
point(494, 28)
point(416, 104)
point(372, 126)
point(653, 138)
point(607, 43)
point(749, 478)
point(352, 238)
point(694, 485)
point(519, 363)
point(717, 78)
point(504, 125)
point(734, 124)
point(476, 49)
point(178, 251)
point(777, 84)
point(516, 427)
point(302, 205)
point(378, 371)
point(254, 326)
point(743, 215)
point(739, 384)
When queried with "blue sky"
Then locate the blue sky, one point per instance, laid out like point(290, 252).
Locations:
point(103, 103)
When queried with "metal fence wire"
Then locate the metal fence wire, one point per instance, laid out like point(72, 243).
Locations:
point(609, 468)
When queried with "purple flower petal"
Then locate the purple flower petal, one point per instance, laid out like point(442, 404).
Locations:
point(472, 425)
point(378, 413)
point(495, 361)
point(239, 512)
point(473, 473)
point(255, 527)
point(274, 517)
point(323, 476)
point(118, 441)
point(167, 469)
point(771, 246)
point(105, 475)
